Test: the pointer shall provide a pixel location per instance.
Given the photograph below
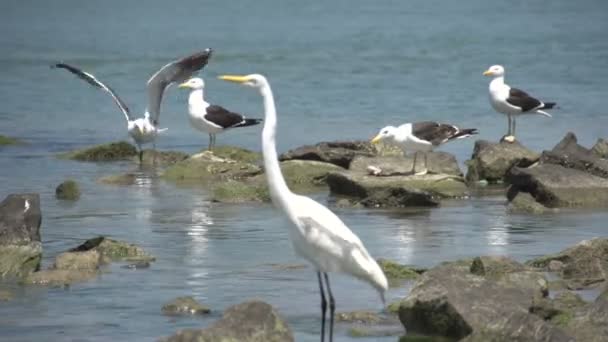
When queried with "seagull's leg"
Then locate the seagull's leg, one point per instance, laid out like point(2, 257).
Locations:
point(154, 151)
point(323, 307)
point(510, 125)
point(141, 154)
point(210, 139)
point(513, 133)
point(332, 309)
point(414, 163)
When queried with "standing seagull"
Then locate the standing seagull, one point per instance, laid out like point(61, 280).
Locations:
point(512, 101)
point(316, 233)
point(421, 136)
point(144, 130)
point(211, 118)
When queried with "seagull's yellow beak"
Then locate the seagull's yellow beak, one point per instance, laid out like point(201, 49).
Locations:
point(234, 78)
point(488, 73)
point(376, 139)
point(184, 85)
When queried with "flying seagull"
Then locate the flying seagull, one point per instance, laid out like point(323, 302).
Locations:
point(512, 101)
point(210, 118)
point(144, 130)
point(316, 233)
point(421, 136)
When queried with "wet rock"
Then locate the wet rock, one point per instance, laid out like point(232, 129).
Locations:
point(206, 168)
point(68, 190)
point(137, 265)
point(586, 263)
point(397, 273)
point(252, 321)
point(584, 321)
point(491, 161)
point(238, 153)
point(363, 317)
point(184, 306)
point(160, 158)
point(4, 141)
point(115, 151)
point(569, 154)
point(340, 153)
point(600, 148)
point(113, 250)
point(555, 186)
point(58, 278)
point(451, 301)
point(304, 175)
point(85, 260)
point(525, 203)
point(122, 179)
point(20, 247)
point(233, 191)
point(439, 163)
point(555, 266)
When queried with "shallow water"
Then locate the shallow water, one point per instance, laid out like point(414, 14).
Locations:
point(339, 70)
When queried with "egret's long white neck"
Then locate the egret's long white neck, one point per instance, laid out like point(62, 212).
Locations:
point(278, 188)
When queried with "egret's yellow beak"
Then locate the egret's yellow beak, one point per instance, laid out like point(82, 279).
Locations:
point(488, 73)
point(184, 85)
point(234, 78)
point(376, 139)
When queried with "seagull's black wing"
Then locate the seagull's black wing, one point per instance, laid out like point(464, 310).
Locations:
point(223, 117)
point(92, 80)
point(521, 99)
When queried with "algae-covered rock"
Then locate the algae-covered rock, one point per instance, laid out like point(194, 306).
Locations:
point(491, 161)
point(184, 306)
point(238, 154)
point(252, 321)
point(55, 277)
point(85, 260)
point(121, 150)
point(302, 174)
point(161, 158)
point(206, 168)
point(233, 191)
point(68, 190)
point(600, 148)
point(121, 179)
point(4, 141)
point(113, 250)
point(396, 273)
point(20, 260)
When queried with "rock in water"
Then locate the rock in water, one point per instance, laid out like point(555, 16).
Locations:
point(600, 148)
point(121, 150)
point(20, 247)
point(569, 154)
point(113, 250)
point(253, 321)
point(68, 190)
point(340, 153)
point(207, 169)
point(491, 161)
point(184, 306)
point(523, 202)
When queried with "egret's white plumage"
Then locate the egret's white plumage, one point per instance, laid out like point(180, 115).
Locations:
point(145, 129)
point(316, 233)
point(421, 136)
point(512, 101)
point(209, 118)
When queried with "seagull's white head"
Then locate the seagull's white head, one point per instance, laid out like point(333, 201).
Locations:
point(253, 80)
point(495, 70)
point(193, 83)
point(385, 133)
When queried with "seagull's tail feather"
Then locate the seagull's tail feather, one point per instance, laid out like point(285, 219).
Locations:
point(538, 111)
point(161, 130)
point(548, 105)
point(249, 122)
point(465, 132)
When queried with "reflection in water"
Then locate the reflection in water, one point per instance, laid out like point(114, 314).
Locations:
point(198, 231)
point(497, 235)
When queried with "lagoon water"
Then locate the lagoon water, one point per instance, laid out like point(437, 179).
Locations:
point(339, 70)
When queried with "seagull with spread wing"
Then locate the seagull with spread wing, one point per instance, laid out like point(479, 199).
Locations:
point(144, 130)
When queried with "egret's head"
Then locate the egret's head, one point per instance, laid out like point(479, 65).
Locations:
point(193, 83)
point(385, 133)
point(253, 80)
point(495, 70)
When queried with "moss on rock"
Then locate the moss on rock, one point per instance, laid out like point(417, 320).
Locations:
point(162, 158)
point(113, 250)
point(206, 168)
point(397, 273)
point(184, 306)
point(233, 191)
point(20, 260)
point(114, 151)
point(238, 154)
point(68, 190)
point(58, 278)
point(4, 140)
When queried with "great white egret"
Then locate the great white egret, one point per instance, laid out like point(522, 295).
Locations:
point(512, 101)
point(316, 233)
point(144, 130)
point(421, 136)
point(210, 118)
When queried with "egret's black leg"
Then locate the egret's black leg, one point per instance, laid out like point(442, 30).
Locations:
point(323, 307)
point(154, 151)
point(332, 309)
point(141, 156)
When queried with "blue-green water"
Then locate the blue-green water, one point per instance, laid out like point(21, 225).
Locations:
point(339, 70)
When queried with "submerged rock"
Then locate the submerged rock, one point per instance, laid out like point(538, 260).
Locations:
point(523, 202)
point(122, 179)
point(482, 300)
point(584, 264)
point(56, 277)
point(161, 158)
point(68, 190)
point(20, 247)
point(4, 140)
point(5, 295)
point(113, 250)
point(340, 153)
point(184, 306)
point(233, 191)
point(364, 317)
point(252, 321)
point(206, 168)
point(115, 151)
point(396, 273)
point(85, 260)
point(491, 161)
